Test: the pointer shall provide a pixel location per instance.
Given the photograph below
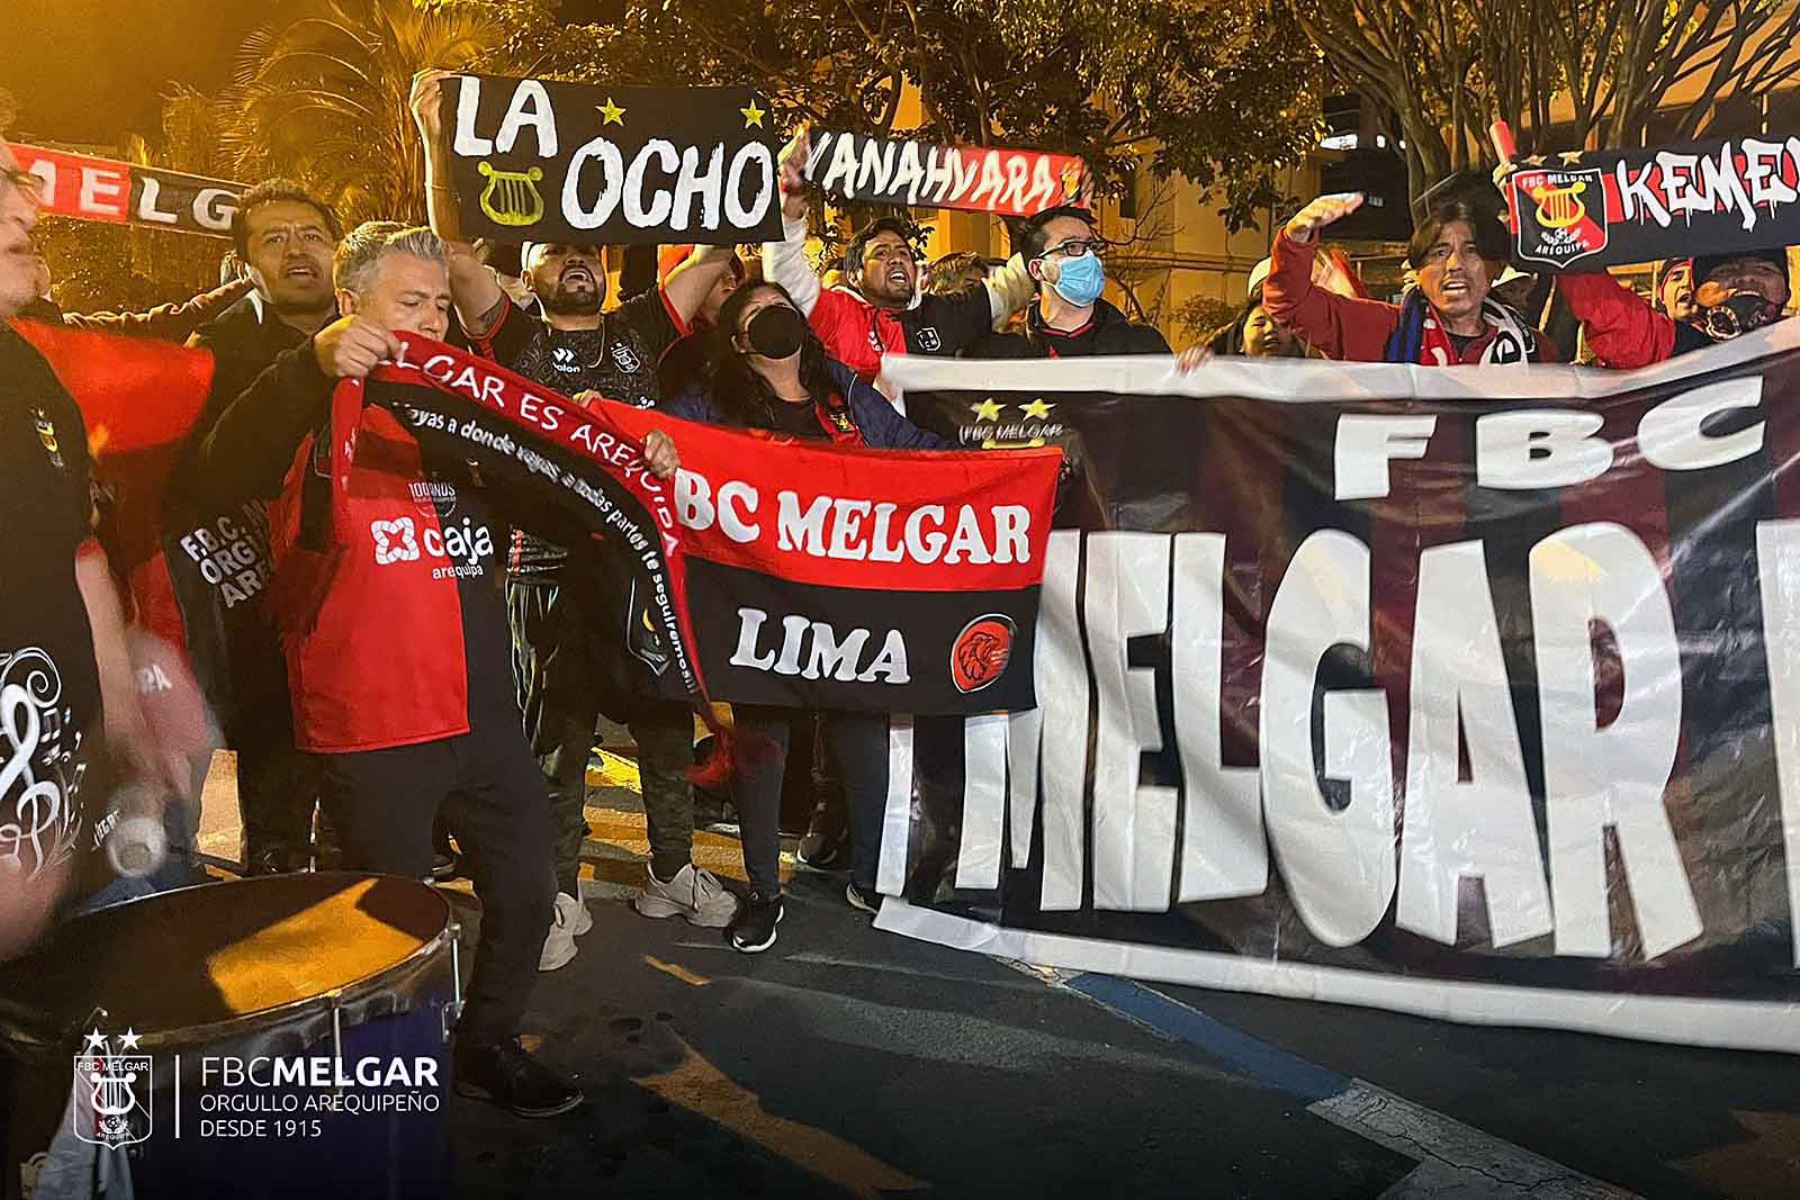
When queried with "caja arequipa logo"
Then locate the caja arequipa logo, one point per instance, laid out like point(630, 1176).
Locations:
point(395, 541)
point(981, 652)
point(1561, 215)
point(112, 1094)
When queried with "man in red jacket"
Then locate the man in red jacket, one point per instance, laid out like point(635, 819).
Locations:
point(881, 309)
point(399, 657)
point(1447, 319)
point(1733, 294)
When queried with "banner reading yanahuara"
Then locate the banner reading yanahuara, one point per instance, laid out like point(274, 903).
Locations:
point(533, 160)
point(118, 193)
point(1470, 693)
point(1013, 183)
point(1610, 208)
point(765, 572)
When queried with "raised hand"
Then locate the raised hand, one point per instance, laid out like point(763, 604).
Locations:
point(1326, 210)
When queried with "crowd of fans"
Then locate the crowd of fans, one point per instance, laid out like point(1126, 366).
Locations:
point(476, 723)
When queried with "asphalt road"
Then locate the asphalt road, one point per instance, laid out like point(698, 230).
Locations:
point(847, 1061)
point(851, 1062)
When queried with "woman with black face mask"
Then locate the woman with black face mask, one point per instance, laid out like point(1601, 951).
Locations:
point(771, 372)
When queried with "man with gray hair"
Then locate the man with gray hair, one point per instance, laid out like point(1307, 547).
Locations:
point(434, 724)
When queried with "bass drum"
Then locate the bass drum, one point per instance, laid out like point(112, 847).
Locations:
point(280, 1036)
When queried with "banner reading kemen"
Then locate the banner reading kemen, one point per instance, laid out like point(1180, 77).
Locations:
point(1469, 693)
point(1592, 211)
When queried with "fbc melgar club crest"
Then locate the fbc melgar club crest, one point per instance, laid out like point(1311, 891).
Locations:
point(112, 1092)
point(1561, 215)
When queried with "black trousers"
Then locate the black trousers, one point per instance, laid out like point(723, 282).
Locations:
point(563, 689)
point(382, 804)
point(858, 747)
point(277, 785)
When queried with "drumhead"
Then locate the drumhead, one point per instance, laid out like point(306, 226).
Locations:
point(224, 954)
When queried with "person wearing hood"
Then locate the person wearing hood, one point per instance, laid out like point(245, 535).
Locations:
point(1733, 294)
point(881, 309)
point(1446, 319)
point(1063, 255)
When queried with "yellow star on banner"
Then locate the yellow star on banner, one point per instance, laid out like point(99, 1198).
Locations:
point(987, 410)
point(1037, 408)
point(611, 114)
point(753, 115)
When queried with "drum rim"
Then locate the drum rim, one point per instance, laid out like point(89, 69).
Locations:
point(11, 1031)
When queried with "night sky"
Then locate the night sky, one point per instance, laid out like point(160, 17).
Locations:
point(91, 71)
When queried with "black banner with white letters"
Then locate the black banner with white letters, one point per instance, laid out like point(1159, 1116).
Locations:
point(1437, 690)
point(1592, 211)
point(540, 161)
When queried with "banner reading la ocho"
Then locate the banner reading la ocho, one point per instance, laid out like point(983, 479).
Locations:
point(100, 189)
point(535, 160)
point(766, 572)
point(1433, 690)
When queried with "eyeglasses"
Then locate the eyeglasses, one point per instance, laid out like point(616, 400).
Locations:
point(1078, 248)
point(29, 185)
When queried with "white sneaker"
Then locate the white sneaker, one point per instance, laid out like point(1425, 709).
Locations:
point(695, 894)
point(559, 943)
point(584, 920)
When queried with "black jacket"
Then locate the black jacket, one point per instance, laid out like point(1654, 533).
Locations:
point(1108, 332)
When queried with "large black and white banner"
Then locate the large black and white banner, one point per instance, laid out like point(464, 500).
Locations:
point(1472, 692)
point(1610, 208)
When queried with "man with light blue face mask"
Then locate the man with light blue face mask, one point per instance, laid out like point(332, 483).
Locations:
point(1063, 254)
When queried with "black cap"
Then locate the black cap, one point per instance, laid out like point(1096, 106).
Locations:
point(1706, 264)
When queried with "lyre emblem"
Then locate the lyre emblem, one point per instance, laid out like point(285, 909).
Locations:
point(511, 197)
point(106, 1108)
point(112, 1095)
point(1560, 208)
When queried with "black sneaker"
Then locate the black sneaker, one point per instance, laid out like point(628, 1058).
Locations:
point(824, 852)
point(755, 928)
point(443, 866)
point(862, 900)
point(505, 1073)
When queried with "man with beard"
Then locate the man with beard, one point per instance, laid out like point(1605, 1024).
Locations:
point(881, 310)
point(65, 675)
point(1447, 319)
point(574, 621)
point(1733, 294)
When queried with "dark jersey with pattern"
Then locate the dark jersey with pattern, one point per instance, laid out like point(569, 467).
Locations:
point(618, 360)
point(51, 806)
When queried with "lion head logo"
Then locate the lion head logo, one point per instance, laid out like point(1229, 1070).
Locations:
point(981, 652)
